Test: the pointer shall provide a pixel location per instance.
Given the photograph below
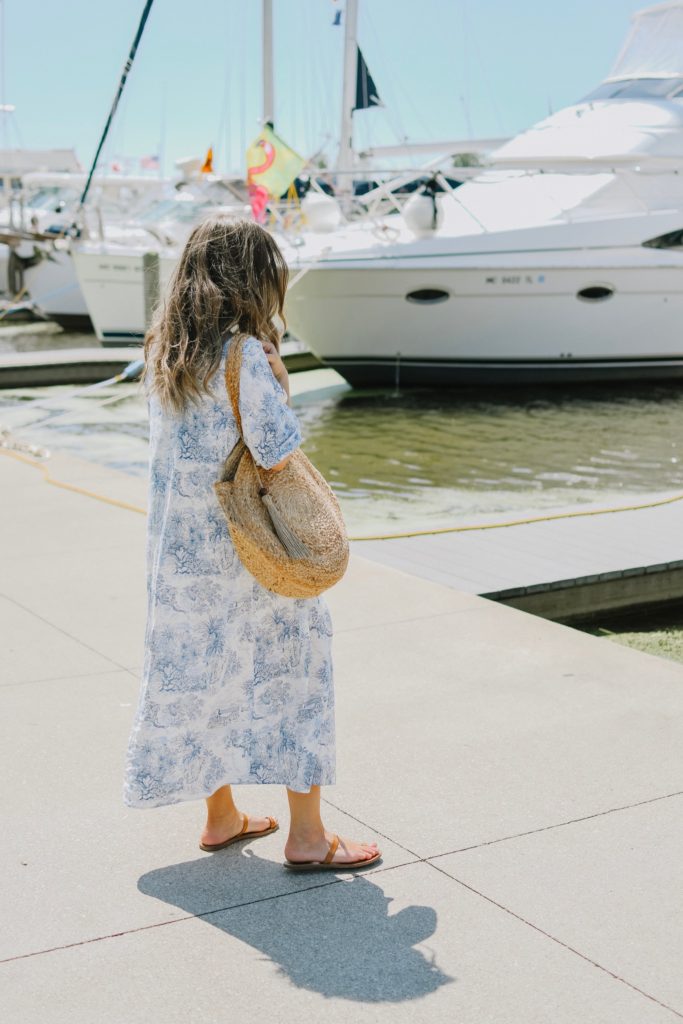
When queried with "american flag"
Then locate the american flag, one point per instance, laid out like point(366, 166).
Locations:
point(149, 163)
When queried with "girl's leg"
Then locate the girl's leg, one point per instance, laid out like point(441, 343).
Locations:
point(308, 838)
point(224, 820)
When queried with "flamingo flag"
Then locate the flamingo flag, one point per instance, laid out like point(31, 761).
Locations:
point(271, 168)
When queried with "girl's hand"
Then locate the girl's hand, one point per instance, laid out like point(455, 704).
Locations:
point(276, 364)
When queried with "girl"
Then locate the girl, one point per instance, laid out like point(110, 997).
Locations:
point(237, 681)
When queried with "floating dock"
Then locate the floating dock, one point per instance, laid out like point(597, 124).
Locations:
point(572, 565)
point(64, 366)
point(88, 365)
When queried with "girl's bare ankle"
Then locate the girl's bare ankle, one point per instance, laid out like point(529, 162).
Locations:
point(223, 817)
point(306, 835)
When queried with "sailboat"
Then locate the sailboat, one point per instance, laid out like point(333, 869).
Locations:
point(36, 269)
point(562, 260)
point(110, 269)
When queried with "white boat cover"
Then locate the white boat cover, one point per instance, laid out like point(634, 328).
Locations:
point(654, 46)
point(20, 161)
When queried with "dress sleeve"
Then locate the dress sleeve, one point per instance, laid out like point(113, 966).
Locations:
point(270, 427)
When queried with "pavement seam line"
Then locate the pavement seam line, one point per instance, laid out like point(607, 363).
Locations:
point(206, 913)
point(353, 817)
point(61, 679)
point(59, 629)
point(559, 942)
point(491, 842)
point(401, 622)
point(558, 824)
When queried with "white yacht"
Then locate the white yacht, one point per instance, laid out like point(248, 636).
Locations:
point(35, 227)
point(110, 267)
point(562, 260)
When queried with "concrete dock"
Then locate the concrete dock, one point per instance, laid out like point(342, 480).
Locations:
point(524, 780)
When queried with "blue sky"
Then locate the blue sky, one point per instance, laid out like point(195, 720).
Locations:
point(444, 69)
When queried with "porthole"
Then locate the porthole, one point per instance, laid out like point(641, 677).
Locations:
point(427, 296)
point(595, 293)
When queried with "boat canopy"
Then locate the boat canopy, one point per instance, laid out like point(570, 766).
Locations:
point(654, 46)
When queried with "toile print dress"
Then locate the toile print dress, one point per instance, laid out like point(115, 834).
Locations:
point(237, 681)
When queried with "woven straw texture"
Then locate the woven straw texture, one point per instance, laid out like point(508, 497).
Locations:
point(300, 509)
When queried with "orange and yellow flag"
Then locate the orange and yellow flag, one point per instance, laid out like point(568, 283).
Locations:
point(207, 166)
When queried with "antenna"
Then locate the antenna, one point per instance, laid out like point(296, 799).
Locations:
point(267, 57)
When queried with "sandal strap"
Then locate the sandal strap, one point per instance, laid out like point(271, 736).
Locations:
point(245, 824)
point(332, 850)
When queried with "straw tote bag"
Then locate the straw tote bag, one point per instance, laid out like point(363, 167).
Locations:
point(286, 525)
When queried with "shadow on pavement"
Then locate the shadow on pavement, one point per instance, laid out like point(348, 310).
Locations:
point(334, 937)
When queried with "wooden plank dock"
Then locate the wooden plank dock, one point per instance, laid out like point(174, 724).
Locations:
point(570, 568)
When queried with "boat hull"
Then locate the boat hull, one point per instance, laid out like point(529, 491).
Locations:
point(420, 373)
point(113, 286)
point(496, 324)
point(53, 286)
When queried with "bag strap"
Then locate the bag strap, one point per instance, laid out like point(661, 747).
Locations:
point(233, 366)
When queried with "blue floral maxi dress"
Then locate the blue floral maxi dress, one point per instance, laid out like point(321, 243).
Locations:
point(237, 681)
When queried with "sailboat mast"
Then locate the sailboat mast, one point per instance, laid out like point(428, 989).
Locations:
point(345, 158)
point(267, 58)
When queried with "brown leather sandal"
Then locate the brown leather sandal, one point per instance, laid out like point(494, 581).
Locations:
point(242, 834)
point(327, 865)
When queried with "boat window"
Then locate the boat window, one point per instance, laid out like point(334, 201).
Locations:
point(635, 88)
point(427, 296)
point(595, 293)
point(671, 240)
point(48, 197)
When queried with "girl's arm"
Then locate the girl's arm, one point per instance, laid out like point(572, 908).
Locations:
point(278, 367)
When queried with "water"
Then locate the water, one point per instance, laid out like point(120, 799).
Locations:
point(418, 460)
point(413, 460)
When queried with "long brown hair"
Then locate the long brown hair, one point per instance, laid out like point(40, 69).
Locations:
point(231, 274)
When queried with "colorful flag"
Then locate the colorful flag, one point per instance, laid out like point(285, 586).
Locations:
point(337, 13)
point(366, 90)
point(271, 164)
point(149, 163)
point(207, 166)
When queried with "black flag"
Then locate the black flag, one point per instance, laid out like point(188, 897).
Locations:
point(366, 90)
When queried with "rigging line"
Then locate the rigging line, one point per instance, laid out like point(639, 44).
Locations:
point(464, 96)
point(119, 92)
point(222, 146)
point(397, 88)
point(474, 43)
point(2, 74)
point(391, 111)
point(322, 90)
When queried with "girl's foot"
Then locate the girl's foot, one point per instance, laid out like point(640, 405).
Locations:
point(221, 830)
point(301, 850)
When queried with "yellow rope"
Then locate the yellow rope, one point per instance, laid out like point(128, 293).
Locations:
point(522, 522)
point(385, 536)
point(71, 487)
